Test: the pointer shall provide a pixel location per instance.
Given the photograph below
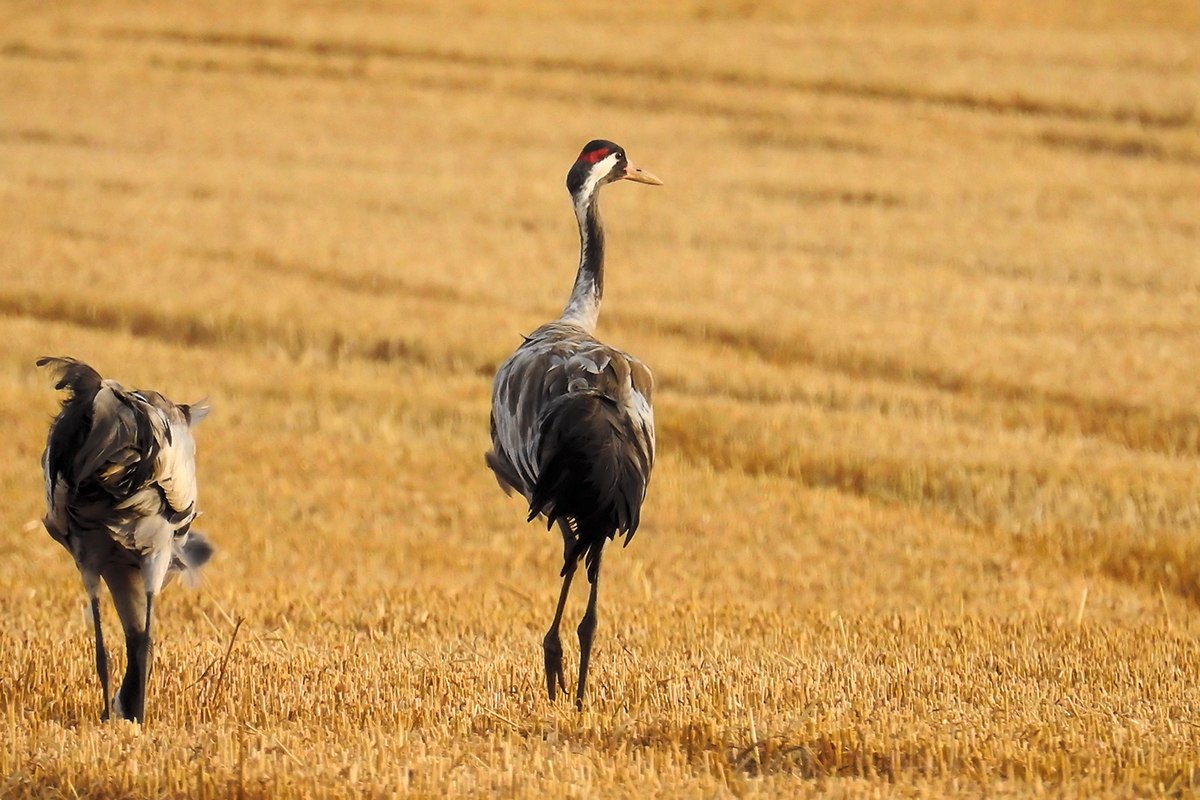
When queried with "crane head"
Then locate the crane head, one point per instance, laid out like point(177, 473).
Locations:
point(601, 162)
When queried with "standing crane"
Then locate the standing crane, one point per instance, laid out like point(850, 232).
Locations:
point(572, 426)
point(120, 471)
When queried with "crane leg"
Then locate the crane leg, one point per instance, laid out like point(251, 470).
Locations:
point(137, 673)
point(587, 627)
point(551, 644)
point(101, 657)
point(135, 607)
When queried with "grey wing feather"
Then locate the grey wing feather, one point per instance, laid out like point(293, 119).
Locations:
point(523, 386)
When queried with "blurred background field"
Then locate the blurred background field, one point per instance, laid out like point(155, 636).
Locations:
point(922, 298)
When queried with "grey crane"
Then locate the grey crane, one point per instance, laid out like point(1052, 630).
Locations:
point(572, 425)
point(120, 469)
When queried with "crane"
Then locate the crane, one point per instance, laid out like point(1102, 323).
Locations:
point(572, 424)
point(120, 468)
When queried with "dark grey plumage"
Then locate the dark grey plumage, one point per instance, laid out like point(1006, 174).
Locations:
point(120, 475)
point(572, 423)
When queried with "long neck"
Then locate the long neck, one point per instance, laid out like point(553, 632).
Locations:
point(583, 309)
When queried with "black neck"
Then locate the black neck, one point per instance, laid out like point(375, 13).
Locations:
point(584, 306)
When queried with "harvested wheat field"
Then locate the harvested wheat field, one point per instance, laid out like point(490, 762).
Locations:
point(921, 293)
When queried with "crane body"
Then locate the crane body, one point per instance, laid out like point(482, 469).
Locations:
point(120, 470)
point(572, 422)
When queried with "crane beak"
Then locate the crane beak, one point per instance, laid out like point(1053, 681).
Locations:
point(633, 173)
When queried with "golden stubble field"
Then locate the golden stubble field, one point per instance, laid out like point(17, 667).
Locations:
point(921, 294)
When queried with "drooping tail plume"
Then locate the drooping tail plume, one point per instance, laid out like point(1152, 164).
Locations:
point(589, 473)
